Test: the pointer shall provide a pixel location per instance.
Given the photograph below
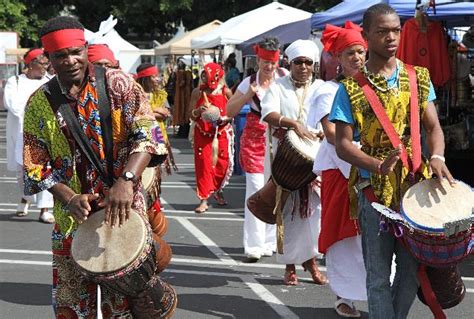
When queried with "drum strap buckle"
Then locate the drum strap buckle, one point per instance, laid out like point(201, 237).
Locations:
point(361, 185)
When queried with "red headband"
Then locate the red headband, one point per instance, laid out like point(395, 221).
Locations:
point(152, 70)
point(98, 52)
point(267, 55)
point(62, 39)
point(336, 39)
point(33, 54)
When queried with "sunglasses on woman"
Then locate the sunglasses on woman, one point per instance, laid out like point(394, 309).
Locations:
point(300, 62)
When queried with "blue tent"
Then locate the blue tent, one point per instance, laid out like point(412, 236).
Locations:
point(453, 13)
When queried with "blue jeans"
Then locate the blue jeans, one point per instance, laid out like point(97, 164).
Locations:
point(378, 248)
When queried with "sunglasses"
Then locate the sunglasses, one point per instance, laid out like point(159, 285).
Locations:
point(300, 62)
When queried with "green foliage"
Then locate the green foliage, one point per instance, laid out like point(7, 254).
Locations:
point(138, 19)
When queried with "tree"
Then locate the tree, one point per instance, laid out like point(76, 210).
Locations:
point(12, 16)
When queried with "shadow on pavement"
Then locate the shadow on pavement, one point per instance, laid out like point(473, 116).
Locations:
point(26, 294)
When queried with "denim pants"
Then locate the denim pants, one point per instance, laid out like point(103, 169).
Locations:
point(378, 248)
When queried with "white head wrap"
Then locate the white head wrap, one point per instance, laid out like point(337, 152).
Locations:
point(304, 48)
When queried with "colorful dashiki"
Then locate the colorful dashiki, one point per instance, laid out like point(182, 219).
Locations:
point(51, 156)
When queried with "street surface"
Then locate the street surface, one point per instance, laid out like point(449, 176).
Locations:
point(207, 269)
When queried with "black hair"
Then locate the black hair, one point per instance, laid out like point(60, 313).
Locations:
point(231, 61)
point(60, 23)
point(375, 11)
point(270, 44)
point(147, 84)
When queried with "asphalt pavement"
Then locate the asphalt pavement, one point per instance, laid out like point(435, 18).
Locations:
point(207, 270)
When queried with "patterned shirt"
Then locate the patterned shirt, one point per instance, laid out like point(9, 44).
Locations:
point(51, 155)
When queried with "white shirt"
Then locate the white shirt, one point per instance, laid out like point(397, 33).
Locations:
point(245, 84)
point(16, 94)
point(284, 99)
point(321, 105)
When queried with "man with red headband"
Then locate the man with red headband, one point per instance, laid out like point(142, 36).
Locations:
point(213, 136)
point(338, 238)
point(101, 55)
point(17, 92)
point(259, 237)
point(55, 160)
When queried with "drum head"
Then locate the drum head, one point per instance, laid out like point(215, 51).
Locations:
point(429, 204)
point(97, 248)
point(148, 177)
point(306, 147)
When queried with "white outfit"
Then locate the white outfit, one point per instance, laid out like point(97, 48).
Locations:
point(346, 282)
point(301, 235)
point(259, 237)
point(16, 94)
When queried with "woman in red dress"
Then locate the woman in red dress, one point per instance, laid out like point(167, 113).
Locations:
point(213, 136)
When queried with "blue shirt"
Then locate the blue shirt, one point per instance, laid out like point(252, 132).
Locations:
point(341, 108)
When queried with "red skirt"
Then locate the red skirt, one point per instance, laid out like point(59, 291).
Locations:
point(252, 145)
point(335, 221)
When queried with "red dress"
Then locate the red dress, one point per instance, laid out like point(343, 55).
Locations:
point(252, 144)
point(210, 178)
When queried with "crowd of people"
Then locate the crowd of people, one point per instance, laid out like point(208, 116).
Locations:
point(355, 164)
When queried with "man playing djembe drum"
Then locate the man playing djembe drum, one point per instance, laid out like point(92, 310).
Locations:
point(54, 160)
point(374, 106)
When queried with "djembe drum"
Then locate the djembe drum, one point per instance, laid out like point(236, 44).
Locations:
point(123, 259)
point(292, 169)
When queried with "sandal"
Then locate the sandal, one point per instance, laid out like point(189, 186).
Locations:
point(201, 208)
point(346, 309)
point(22, 209)
point(219, 199)
point(47, 218)
point(290, 278)
point(311, 266)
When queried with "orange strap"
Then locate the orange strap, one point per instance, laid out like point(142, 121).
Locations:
point(387, 125)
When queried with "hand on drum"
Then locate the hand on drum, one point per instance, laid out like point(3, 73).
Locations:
point(303, 132)
point(439, 168)
point(118, 203)
point(79, 206)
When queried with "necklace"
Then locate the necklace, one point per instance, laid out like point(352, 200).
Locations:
point(394, 87)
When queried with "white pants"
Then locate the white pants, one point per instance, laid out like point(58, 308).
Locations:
point(258, 236)
point(43, 199)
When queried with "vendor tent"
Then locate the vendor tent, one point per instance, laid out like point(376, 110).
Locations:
point(182, 45)
point(250, 24)
point(285, 33)
point(453, 13)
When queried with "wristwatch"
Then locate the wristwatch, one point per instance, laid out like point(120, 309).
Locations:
point(128, 176)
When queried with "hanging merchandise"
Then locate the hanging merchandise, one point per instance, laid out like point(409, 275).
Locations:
point(423, 43)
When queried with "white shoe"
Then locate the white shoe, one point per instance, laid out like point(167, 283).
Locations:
point(253, 257)
point(267, 253)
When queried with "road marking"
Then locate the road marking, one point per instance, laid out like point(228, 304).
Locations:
point(209, 218)
point(206, 241)
point(29, 252)
point(26, 262)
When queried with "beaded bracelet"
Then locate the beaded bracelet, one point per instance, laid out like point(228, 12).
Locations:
point(279, 120)
point(70, 200)
point(440, 157)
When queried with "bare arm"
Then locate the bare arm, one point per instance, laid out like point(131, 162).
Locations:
point(192, 102)
point(236, 102)
point(228, 93)
point(435, 141)
point(347, 151)
point(329, 129)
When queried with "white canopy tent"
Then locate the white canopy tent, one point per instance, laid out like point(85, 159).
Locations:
point(248, 25)
point(128, 55)
point(182, 45)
